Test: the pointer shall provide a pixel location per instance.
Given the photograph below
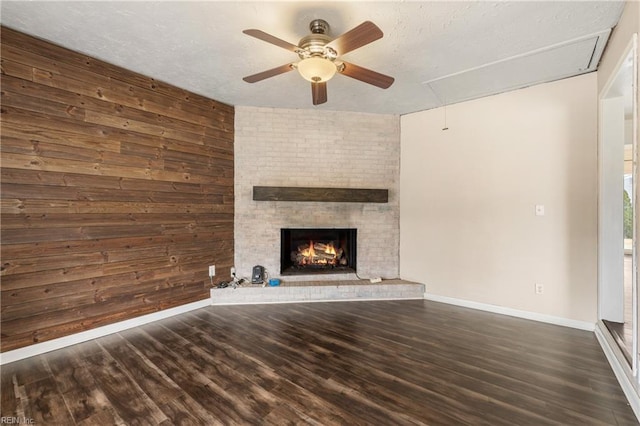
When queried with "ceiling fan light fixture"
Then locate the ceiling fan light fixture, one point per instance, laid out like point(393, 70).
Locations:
point(318, 51)
point(316, 69)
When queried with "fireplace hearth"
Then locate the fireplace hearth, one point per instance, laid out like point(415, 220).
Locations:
point(317, 251)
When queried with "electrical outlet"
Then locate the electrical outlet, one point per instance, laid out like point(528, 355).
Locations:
point(212, 270)
point(233, 271)
point(539, 288)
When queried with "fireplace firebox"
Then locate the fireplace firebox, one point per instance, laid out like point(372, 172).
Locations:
point(317, 251)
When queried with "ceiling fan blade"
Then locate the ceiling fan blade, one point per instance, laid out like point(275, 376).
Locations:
point(366, 75)
point(271, 39)
point(363, 34)
point(268, 73)
point(319, 93)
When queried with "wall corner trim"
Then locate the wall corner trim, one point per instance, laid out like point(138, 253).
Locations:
point(62, 342)
point(550, 319)
point(622, 371)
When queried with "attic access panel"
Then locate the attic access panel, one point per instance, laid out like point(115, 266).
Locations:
point(540, 66)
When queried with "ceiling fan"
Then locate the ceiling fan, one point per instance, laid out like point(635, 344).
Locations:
point(319, 57)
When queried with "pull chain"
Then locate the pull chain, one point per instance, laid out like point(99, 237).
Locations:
point(445, 118)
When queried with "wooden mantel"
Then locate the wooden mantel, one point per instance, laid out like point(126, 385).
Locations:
point(336, 195)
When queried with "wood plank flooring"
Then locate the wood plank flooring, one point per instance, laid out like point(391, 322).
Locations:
point(344, 363)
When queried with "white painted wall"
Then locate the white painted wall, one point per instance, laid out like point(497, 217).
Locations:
point(468, 228)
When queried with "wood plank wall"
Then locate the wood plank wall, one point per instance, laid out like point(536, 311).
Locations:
point(117, 193)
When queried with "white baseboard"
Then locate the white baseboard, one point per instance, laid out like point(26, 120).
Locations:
point(566, 322)
point(52, 345)
point(622, 370)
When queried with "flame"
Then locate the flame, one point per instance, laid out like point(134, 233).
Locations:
point(310, 255)
point(309, 252)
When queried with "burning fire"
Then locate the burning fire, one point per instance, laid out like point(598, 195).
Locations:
point(318, 254)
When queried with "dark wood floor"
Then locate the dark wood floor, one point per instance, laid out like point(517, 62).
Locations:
point(347, 363)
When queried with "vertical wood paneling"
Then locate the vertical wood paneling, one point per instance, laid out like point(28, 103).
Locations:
point(116, 192)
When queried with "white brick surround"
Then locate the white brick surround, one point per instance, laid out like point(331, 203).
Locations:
point(284, 147)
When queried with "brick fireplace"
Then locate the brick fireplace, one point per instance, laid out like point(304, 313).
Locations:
point(316, 148)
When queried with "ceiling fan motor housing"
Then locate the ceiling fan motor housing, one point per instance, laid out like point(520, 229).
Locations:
point(314, 44)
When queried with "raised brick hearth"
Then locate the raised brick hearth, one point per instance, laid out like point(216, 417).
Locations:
point(318, 291)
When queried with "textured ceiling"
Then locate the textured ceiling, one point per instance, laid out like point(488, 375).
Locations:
point(438, 52)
